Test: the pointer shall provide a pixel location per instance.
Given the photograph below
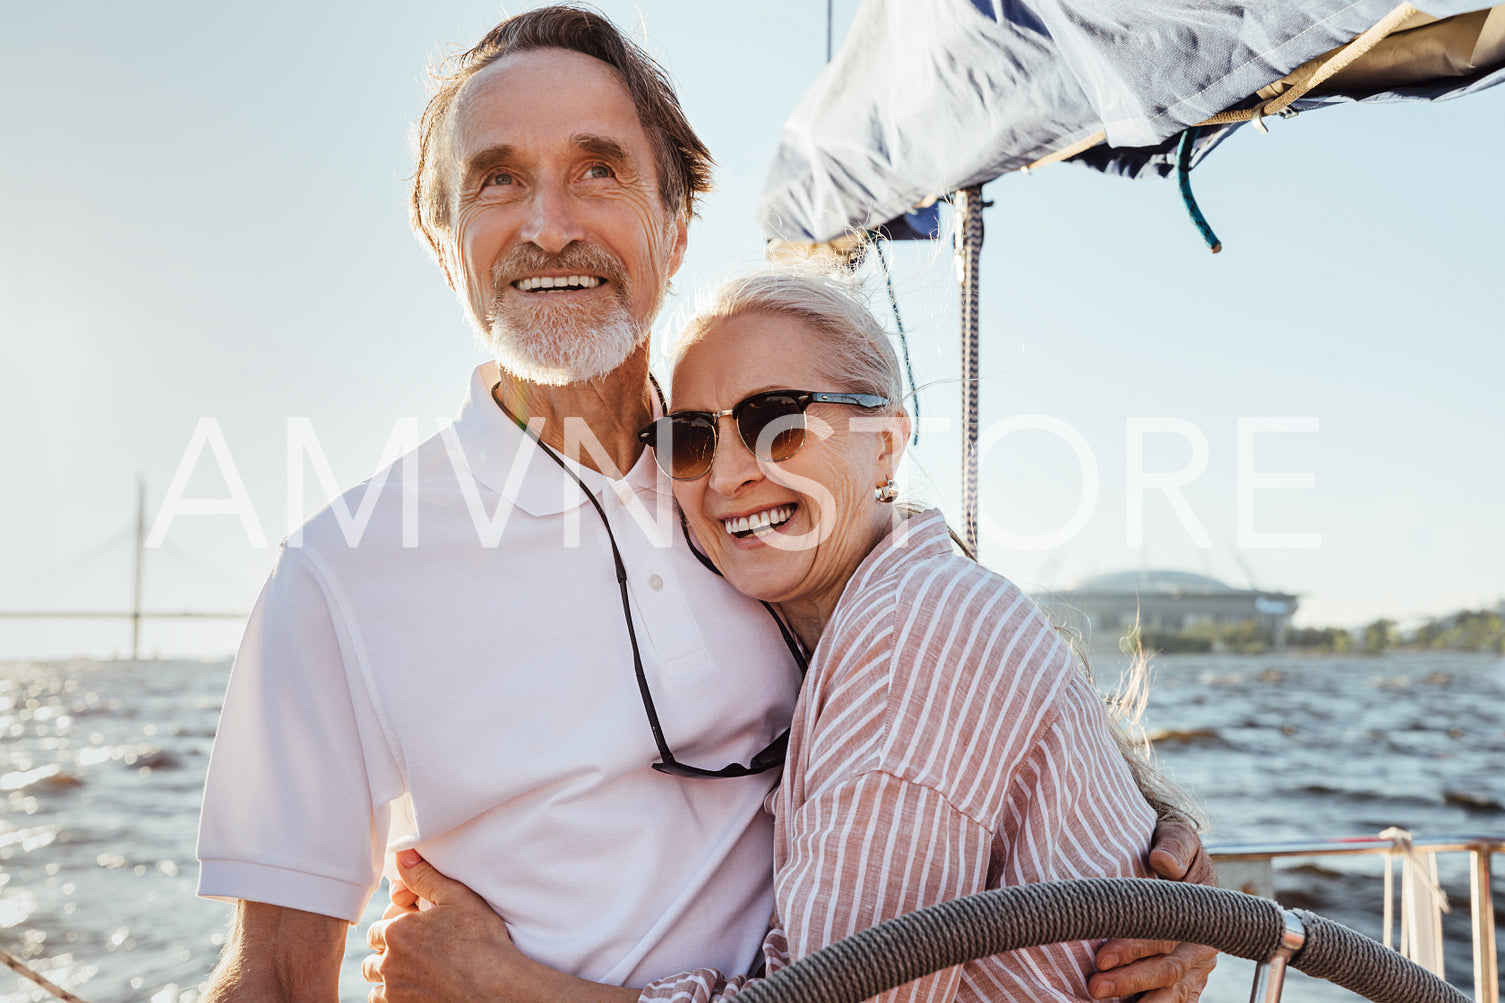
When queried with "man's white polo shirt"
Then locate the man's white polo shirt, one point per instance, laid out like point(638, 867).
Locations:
point(481, 699)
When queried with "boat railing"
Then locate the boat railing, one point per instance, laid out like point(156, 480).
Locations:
point(1249, 867)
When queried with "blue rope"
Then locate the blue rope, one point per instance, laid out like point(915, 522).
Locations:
point(893, 301)
point(1183, 179)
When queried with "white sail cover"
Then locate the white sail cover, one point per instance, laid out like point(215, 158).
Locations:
point(926, 97)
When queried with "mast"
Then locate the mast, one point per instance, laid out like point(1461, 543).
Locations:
point(140, 561)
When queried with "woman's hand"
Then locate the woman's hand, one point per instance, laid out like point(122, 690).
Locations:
point(1167, 972)
point(439, 942)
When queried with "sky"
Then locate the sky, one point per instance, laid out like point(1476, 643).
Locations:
point(203, 216)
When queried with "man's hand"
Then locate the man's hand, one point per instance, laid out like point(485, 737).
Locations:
point(1176, 854)
point(1165, 971)
point(439, 941)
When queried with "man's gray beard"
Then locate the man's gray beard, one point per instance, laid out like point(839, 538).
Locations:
point(554, 344)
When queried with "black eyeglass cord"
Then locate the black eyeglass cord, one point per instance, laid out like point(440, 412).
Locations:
point(669, 764)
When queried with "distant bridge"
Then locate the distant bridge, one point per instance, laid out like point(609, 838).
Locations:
point(135, 614)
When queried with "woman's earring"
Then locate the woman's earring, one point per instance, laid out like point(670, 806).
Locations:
point(886, 493)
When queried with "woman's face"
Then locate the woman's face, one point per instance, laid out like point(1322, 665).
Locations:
point(816, 513)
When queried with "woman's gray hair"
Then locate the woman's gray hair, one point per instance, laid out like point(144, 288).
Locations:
point(851, 349)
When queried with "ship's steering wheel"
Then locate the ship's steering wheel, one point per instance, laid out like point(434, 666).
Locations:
point(1006, 919)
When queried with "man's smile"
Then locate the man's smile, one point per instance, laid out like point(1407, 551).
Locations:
point(539, 283)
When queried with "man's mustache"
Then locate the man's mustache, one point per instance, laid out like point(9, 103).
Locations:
point(579, 258)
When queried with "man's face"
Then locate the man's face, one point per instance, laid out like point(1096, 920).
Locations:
point(560, 239)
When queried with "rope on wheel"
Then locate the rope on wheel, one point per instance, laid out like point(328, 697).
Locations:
point(1006, 919)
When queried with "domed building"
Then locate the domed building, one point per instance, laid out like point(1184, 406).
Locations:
point(1170, 603)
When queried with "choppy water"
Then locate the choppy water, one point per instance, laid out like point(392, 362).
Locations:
point(102, 763)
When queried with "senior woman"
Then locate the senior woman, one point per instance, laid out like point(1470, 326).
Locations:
point(945, 740)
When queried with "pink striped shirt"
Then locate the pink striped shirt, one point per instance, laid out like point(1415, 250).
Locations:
point(944, 743)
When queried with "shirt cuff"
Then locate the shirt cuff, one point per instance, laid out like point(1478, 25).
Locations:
point(229, 880)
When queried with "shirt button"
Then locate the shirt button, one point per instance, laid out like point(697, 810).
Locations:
point(624, 493)
point(655, 583)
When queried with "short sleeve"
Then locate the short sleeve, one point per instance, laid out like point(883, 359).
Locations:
point(289, 817)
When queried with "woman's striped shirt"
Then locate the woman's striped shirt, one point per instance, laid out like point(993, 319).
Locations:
point(945, 742)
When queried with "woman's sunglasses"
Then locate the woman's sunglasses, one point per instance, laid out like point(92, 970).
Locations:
point(771, 424)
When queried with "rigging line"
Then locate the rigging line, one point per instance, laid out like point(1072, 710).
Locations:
point(893, 301)
point(1183, 180)
point(969, 235)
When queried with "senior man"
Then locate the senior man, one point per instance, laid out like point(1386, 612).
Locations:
point(520, 668)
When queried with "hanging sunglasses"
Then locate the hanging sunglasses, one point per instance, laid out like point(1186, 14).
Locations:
point(771, 425)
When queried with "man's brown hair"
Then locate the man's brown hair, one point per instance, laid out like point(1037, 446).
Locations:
point(683, 162)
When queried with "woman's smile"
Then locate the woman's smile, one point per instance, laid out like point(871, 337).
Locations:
point(759, 523)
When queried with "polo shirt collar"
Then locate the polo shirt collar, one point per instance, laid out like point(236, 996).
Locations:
point(492, 444)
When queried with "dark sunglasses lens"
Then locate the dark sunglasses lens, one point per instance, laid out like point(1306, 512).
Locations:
point(692, 444)
point(772, 426)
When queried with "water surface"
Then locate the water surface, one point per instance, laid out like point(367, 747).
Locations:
point(102, 765)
